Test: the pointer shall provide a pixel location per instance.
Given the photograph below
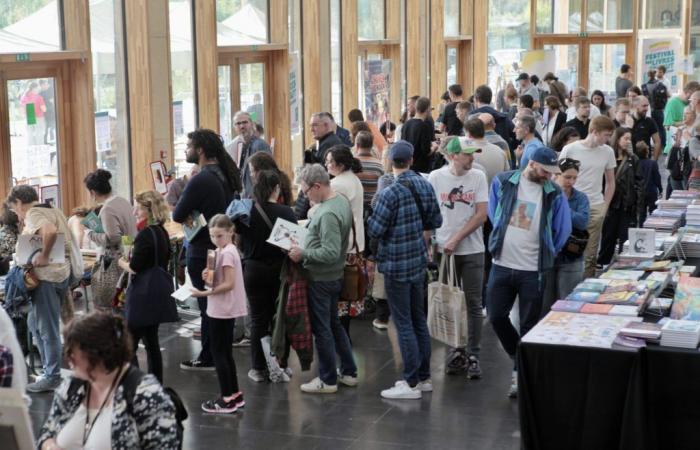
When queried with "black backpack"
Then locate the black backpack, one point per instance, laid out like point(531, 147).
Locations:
point(659, 96)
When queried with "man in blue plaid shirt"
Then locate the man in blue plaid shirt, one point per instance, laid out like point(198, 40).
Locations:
point(405, 214)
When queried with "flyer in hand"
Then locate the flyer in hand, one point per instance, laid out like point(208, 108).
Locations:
point(286, 234)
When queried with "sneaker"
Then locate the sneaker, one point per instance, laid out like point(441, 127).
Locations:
point(242, 342)
point(513, 391)
point(220, 406)
point(44, 385)
point(197, 334)
point(195, 364)
point(402, 391)
point(379, 325)
point(347, 380)
point(456, 362)
point(288, 371)
point(473, 368)
point(238, 399)
point(425, 385)
point(316, 386)
point(257, 375)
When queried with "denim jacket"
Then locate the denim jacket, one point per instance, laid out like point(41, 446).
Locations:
point(555, 220)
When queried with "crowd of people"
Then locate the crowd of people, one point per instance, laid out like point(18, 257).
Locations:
point(523, 200)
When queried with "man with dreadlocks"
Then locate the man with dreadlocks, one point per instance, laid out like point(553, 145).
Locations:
point(209, 193)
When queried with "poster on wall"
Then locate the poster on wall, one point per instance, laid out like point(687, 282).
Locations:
point(376, 83)
point(666, 52)
point(294, 103)
point(102, 131)
point(51, 194)
point(158, 173)
point(178, 124)
point(539, 62)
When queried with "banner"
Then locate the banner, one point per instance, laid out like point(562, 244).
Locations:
point(539, 62)
point(666, 52)
point(376, 82)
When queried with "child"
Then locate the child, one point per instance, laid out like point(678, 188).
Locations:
point(652, 180)
point(227, 301)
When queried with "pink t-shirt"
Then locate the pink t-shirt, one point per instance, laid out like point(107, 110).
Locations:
point(232, 303)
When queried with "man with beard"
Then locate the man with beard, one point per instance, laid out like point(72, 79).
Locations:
point(531, 223)
point(245, 128)
point(582, 119)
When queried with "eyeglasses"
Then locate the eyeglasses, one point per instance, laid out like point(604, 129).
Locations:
point(242, 122)
point(306, 191)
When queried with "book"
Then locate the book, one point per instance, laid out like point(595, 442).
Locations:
point(644, 330)
point(590, 287)
point(630, 342)
point(192, 227)
point(596, 308)
point(686, 301)
point(624, 310)
point(92, 222)
point(583, 296)
point(580, 330)
point(616, 297)
point(623, 274)
point(29, 243)
point(286, 234)
point(567, 305)
point(680, 333)
point(642, 242)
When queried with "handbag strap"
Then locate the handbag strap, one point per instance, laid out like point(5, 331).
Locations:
point(155, 246)
point(352, 226)
point(263, 214)
point(31, 256)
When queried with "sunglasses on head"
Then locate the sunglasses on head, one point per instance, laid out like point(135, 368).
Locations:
point(568, 163)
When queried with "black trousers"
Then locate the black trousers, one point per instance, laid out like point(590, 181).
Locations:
point(221, 340)
point(649, 207)
point(262, 284)
point(383, 311)
point(195, 266)
point(149, 335)
point(615, 228)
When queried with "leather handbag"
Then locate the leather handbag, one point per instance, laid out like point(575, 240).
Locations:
point(31, 281)
point(576, 244)
point(351, 302)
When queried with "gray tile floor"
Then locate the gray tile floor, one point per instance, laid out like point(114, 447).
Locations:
point(458, 414)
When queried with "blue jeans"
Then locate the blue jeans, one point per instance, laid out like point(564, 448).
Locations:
point(560, 282)
point(329, 334)
point(504, 285)
point(408, 313)
point(43, 321)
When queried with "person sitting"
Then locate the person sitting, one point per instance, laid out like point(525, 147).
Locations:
point(92, 408)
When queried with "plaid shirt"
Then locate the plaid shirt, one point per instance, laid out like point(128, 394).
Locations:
point(397, 225)
point(5, 367)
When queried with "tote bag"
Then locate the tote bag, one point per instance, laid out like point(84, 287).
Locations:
point(447, 309)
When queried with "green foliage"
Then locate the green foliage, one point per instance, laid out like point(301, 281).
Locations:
point(12, 11)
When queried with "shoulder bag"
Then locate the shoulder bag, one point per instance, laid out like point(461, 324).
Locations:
point(352, 297)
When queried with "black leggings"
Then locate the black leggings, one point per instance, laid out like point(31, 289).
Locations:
point(221, 340)
point(262, 283)
point(149, 335)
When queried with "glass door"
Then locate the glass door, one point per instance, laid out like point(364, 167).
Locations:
point(604, 61)
point(251, 90)
point(566, 60)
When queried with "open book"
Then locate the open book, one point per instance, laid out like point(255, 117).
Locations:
point(193, 228)
point(286, 234)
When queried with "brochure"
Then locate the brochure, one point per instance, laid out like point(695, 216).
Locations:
point(286, 234)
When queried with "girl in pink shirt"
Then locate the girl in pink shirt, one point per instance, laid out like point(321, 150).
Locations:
point(226, 301)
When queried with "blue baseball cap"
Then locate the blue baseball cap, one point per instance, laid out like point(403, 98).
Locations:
point(401, 150)
point(547, 158)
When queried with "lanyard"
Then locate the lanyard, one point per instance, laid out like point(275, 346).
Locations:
point(89, 425)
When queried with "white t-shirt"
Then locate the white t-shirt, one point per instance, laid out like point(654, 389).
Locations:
point(594, 162)
point(100, 438)
point(493, 159)
point(457, 197)
point(521, 245)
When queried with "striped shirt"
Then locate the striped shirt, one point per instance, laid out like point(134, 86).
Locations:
point(372, 169)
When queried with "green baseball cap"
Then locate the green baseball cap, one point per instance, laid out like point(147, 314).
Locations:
point(462, 145)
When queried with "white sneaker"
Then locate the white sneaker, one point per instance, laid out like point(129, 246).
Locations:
point(256, 375)
point(316, 386)
point(379, 325)
point(347, 380)
point(513, 391)
point(425, 385)
point(402, 391)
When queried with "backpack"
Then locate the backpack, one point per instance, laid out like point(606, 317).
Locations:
point(658, 96)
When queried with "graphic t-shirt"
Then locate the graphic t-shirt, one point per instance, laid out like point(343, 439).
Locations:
point(594, 162)
point(521, 245)
point(229, 304)
point(457, 197)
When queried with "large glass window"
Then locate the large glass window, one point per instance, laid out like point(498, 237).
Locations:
point(182, 79)
point(336, 63)
point(452, 14)
point(370, 19)
point(252, 100)
point(296, 117)
point(604, 61)
point(558, 16)
point(109, 85)
point(30, 26)
point(508, 38)
point(451, 66)
point(566, 60)
point(659, 14)
point(225, 120)
point(241, 22)
point(609, 15)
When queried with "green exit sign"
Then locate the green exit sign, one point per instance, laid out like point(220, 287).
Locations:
point(583, 34)
point(21, 57)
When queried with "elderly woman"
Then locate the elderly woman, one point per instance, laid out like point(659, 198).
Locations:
point(92, 408)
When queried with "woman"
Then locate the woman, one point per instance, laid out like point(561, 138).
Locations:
point(116, 221)
point(356, 127)
point(564, 137)
point(626, 204)
point(9, 230)
point(568, 266)
point(555, 119)
point(91, 409)
point(151, 249)
point(262, 263)
point(598, 100)
point(264, 161)
point(342, 166)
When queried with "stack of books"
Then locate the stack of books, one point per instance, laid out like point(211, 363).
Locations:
point(692, 219)
point(686, 301)
point(643, 330)
point(680, 333)
point(608, 297)
point(582, 330)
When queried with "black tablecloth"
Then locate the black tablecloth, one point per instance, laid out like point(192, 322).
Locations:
point(587, 398)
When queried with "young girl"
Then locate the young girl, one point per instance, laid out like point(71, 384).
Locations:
point(227, 301)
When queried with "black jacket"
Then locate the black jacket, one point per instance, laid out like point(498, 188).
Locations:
point(318, 154)
point(629, 187)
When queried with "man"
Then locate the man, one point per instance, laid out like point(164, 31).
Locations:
point(644, 128)
point(207, 193)
point(323, 258)
point(490, 156)
point(355, 115)
point(661, 77)
point(624, 80)
point(597, 162)
point(531, 223)
point(673, 113)
point(503, 125)
point(658, 94)
point(525, 87)
point(420, 134)
point(582, 119)
point(525, 132)
point(323, 131)
point(493, 138)
point(462, 110)
point(251, 144)
point(256, 111)
point(462, 194)
point(571, 110)
point(404, 216)
point(451, 124)
point(48, 223)
point(372, 168)
point(623, 117)
point(556, 87)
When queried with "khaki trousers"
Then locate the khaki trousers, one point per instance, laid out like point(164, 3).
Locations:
point(595, 226)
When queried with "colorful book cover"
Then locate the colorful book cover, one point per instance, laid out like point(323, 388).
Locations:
point(590, 287)
point(193, 227)
point(596, 308)
point(683, 326)
point(686, 301)
point(624, 310)
point(627, 341)
point(583, 296)
point(567, 306)
point(92, 222)
point(616, 297)
point(623, 274)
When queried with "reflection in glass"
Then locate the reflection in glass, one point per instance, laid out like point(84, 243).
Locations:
point(566, 57)
point(252, 99)
point(370, 19)
point(33, 143)
point(241, 23)
point(336, 64)
point(604, 61)
point(452, 13)
point(660, 14)
point(558, 16)
point(609, 15)
point(508, 37)
point(109, 88)
point(225, 125)
point(29, 26)
point(451, 65)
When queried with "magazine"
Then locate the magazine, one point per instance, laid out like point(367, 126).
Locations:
point(286, 234)
point(92, 222)
point(192, 228)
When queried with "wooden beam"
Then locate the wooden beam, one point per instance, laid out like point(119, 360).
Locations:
point(415, 70)
point(279, 25)
point(207, 75)
point(466, 22)
point(349, 37)
point(10, 58)
point(311, 62)
point(480, 45)
point(277, 108)
point(438, 52)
